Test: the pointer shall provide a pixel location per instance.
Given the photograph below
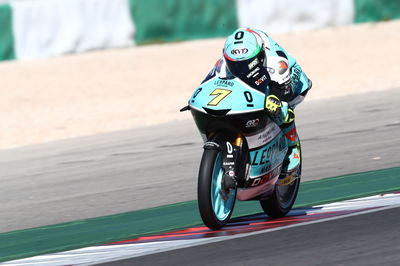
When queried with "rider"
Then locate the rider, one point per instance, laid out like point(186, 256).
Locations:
point(255, 58)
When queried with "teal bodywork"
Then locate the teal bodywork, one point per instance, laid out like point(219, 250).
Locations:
point(269, 157)
point(241, 98)
point(240, 103)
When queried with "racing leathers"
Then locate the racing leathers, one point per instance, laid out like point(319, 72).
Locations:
point(256, 59)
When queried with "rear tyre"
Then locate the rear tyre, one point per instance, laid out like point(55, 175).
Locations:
point(214, 210)
point(282, 199)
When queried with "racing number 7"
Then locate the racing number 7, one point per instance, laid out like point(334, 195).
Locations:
point(220, 95)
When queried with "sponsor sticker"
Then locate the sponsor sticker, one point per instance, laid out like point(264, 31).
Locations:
point(263, 157)
point(252, 123)
point(224, 83)
point(239, 51)
point(254, 72)
point(260, 80)
point(253, 63)
point(270, 132)
point(265, 178)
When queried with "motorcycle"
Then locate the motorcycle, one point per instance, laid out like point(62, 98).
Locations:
point(244, 150)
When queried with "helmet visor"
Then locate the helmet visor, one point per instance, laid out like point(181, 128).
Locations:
point(251, 70)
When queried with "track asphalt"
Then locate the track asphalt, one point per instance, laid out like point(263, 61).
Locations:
point(368, 239)
point(49, 239)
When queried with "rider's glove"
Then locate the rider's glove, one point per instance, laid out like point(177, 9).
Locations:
point(273, 106)
point(279, 111)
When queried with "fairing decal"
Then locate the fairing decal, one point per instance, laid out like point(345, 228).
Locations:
point(241, 99)
point(262, 138)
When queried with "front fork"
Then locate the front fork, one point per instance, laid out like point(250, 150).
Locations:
point(234, 163)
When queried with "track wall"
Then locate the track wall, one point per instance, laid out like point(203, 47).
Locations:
point(42, 28)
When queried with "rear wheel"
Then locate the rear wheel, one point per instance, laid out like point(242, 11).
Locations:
point(214, 210)
point(282, 199)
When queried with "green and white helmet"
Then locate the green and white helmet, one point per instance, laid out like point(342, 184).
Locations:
point(244, 54)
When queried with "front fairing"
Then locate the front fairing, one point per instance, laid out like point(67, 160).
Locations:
point(226, 97)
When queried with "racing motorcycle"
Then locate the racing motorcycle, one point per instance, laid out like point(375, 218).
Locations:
point(243, 152)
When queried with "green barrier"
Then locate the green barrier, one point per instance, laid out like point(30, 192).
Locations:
point(177, 20)
point(6, 35)
point(373, 10)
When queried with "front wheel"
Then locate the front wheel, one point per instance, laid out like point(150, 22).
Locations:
point(214, 210)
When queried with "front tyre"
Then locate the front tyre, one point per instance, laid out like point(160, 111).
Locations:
point(214, 210)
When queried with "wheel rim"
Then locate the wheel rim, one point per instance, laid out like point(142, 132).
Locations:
point(222, 208)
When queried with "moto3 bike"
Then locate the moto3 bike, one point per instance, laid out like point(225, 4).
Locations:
point(243, 152)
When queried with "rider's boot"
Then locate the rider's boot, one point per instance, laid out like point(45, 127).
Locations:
point(291, 164)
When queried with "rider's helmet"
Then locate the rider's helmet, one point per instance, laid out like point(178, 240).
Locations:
point(244, 54)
